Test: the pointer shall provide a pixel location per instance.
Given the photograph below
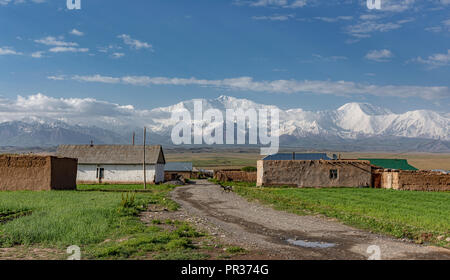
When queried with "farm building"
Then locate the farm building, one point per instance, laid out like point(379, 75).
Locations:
point(386, 163)
point(172, 170)
point(37, 173)
point(314, 173)
point(116, 164)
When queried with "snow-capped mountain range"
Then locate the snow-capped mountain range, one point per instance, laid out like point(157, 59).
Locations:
point(42, 121)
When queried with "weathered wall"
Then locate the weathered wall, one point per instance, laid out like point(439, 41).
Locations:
point(36, 173)
point(120, 173)
point(64, 173)
point(313, 173)
point(235, 176)
point(171, 175)
point(413, 180)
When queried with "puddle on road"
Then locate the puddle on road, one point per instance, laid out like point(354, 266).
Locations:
point(308, 244)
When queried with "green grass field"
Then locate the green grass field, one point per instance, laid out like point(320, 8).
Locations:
point(57, 219)
point(421, 216)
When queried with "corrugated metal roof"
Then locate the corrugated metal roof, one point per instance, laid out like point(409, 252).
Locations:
point(386, 163)
point(178, 166)
point(112, 154)
point(298, 156)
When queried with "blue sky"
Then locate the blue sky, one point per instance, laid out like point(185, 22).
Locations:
point(307, 54)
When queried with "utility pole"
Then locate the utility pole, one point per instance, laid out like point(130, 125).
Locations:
point(145, 175)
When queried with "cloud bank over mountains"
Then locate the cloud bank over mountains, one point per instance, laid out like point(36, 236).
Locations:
point(78, 120)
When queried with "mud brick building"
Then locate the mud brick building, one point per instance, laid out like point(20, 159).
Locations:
point(411, 180)
point(37, 173)
point(173, 170)
point(314, 173)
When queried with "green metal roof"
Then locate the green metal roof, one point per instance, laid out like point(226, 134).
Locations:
point(400, 164)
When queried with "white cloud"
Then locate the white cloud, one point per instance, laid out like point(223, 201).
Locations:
point(53, 41)
point(86, 111)
point(57, 77)
point(292, 4)
point(333, 58)
point(68, 49)
point(8, 51)
point(334, 19)
point(435, 60)
point(6, 2)
point(76, 32)
point(339, 88)
point(118, 55)
point(363, 29)
point(38, 54)
point(397, 5)
point(379, 55)
point(444, 27)
point(275, 17)
point(96, 78)
point(133, 43)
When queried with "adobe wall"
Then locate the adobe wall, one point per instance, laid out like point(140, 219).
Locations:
point(170, 175)
point(64, 173)
point(413, 180)
point(313, 173)
point(235, 176)
point(35, 173)
point(24, 173)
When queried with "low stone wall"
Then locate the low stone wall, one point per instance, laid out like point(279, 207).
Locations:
point(37, 173)
point(411, 180)
point(235, 176)
point(314, 173)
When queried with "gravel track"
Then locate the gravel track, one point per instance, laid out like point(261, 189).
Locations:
point(258, 228)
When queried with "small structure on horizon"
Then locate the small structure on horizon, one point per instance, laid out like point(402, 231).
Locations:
point(116, 164)
point(37, 173)
point(173, 170)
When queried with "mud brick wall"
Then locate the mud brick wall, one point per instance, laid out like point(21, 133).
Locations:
point(36, 173)
point(413, 180)
point(171, 175)
point(314, 173)
point(64, 173)
point(235, 176)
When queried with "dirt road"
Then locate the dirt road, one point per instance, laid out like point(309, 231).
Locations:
point(280, 235)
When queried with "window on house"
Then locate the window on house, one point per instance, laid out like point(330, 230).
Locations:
point(100, 173)
point(333, 174)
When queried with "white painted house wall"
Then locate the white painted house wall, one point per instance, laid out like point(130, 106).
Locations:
point(121, 173)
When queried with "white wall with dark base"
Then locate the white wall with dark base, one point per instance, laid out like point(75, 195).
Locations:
point(120, 173)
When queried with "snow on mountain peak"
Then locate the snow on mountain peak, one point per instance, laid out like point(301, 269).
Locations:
point(350, 121)
point(366, 108)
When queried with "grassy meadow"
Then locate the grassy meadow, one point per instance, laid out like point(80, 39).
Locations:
point(105, 225)
point(420, 216)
